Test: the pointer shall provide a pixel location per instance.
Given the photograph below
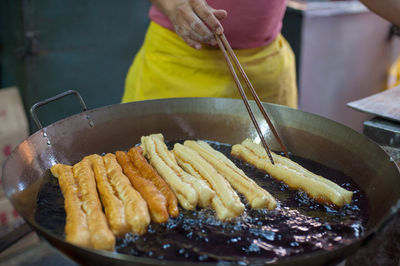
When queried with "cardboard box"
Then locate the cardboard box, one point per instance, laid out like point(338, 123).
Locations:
point(9, 217)
point(13, 124)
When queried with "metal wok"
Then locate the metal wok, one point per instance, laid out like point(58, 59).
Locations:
point(120, 126)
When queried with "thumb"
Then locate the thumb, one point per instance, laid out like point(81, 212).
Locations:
point(220, 14)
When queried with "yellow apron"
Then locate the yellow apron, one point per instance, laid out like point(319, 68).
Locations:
point(393, 79)
point(166, 67)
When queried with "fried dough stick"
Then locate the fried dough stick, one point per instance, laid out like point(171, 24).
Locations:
point(113, 206)
point(223, 189)
point(204, 192)
point(155, 199)
point(135, 207)
point(76, 227)
point(255, 195)
point(184, 191)
point(203, 189)
point(222, 212)
point(101, 236)
point(148, 172)
point(293, 174)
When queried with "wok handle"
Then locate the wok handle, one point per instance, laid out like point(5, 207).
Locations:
point(52, 99)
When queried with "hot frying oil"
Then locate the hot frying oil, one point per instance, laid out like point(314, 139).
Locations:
point(299, 224)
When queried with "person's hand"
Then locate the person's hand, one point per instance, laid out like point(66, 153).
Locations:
point(195, 21)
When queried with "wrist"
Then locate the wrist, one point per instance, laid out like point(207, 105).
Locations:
point(166, 6)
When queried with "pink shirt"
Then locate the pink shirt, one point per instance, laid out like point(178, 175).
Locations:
point(249, 24)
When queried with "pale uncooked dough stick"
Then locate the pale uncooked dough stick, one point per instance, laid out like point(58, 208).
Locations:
point(293, 174)
point(347, 195)
point(136, 211)
point(255, 195)
point(101, 236)
point(206, 194)
point(202, 188)
point(223, 213)
point(113, 206)
point(185, 193)
point(217, 182)
point(76, 227)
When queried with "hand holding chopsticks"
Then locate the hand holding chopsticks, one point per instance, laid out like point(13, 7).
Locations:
point(224, 45)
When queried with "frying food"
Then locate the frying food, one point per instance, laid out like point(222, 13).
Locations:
point(200, 230)
point(155, 199)
point(76, 227)
point(158, 155)
point(230, 200)
point(148, 172)
point(255, 195)
point(113, 206)
point(135, 207)
point(101, 236)
point(293, 174)
point(133, 193)
point(205, 193)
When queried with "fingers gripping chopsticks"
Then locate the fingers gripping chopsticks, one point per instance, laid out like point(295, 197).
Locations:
point(224, 47)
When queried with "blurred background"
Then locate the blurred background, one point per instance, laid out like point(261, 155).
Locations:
point(343, 52)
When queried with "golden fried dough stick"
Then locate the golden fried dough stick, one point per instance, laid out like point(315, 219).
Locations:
point(293, 174)
point(217, 182)
point(155, 199)
point(148, 172)
point(255, 195)
point(101, 236)
point(136, 211)
point(205, 193)
point(113, 206)
point(186, 194)
point(76, 227)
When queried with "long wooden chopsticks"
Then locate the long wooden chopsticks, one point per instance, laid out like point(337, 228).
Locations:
point(224, 45)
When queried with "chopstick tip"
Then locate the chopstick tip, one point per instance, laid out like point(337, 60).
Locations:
point(271, 159)
point(286, 154)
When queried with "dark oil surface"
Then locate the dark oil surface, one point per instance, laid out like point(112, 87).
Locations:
point(299, 225)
